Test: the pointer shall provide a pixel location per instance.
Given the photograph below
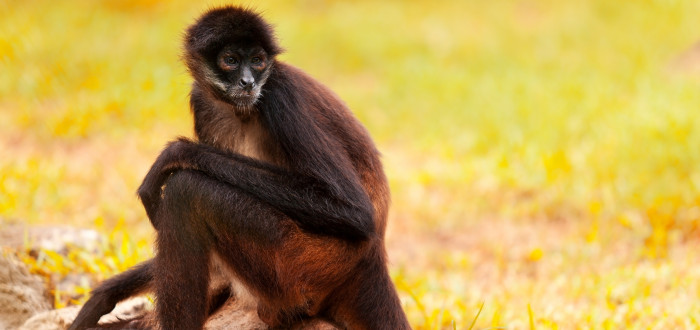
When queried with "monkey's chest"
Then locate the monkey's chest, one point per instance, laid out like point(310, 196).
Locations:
point(248, 138)
point(253, 145)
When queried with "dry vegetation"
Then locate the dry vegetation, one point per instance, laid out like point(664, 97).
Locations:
point(543, 155)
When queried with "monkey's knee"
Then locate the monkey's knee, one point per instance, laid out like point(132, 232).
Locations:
point(185, 194)
point(179, 184)
point(185, 187)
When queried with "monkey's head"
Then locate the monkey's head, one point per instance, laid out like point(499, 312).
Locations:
point(231, 52)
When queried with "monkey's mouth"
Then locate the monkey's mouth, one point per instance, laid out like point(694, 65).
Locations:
point(250, 93)
point(243, 97)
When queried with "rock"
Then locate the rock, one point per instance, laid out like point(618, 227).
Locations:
point(21, 294)
point(60, 319)
point(130, 315)
point(54, 238)
point(57, 319)
point(128, 310)
point(232, 316)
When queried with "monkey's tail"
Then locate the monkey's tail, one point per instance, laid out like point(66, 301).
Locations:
point(125, 285)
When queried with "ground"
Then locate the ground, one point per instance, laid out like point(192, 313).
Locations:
point(542, 154)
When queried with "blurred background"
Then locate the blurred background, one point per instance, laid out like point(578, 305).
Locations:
point(543, 155)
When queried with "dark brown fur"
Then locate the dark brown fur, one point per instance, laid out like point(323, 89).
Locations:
point(290, 199)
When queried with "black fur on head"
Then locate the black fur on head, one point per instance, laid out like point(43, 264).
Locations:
point(222, 26)
point(228, 33)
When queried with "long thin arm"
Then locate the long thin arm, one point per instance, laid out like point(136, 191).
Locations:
point(310, 202)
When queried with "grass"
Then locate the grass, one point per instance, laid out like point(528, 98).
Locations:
point(542, 154)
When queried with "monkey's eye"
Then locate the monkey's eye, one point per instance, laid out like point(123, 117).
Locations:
point(256, 60)
point(227, 62)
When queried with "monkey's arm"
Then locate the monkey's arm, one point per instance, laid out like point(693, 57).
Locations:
point(314, 204)
point(125, 285)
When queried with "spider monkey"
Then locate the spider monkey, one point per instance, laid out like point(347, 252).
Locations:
point(282, 197)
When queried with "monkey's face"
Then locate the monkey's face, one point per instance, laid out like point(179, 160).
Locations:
point(231, 51)
point(238, 74)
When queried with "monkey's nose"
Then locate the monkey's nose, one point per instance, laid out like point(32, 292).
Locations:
point(246, 83)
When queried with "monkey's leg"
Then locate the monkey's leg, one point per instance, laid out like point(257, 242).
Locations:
point(184, 246)
point(287, 270)
point(127, 284)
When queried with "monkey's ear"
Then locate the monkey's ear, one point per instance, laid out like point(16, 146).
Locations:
point(200, 43)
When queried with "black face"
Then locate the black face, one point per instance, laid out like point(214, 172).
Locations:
point(240, 73)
